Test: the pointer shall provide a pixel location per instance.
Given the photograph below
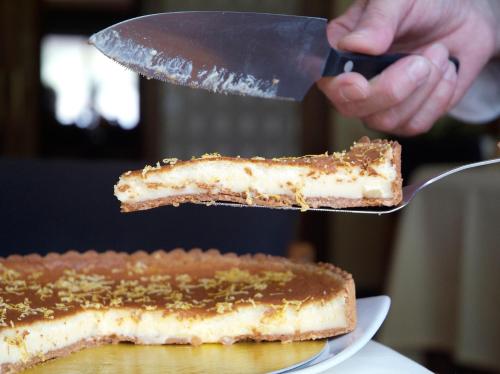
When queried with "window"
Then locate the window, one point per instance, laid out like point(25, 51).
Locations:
point(88, 85)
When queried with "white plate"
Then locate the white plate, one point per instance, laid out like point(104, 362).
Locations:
point(371, 313)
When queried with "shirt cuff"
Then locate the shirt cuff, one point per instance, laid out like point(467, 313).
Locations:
point(481, 103)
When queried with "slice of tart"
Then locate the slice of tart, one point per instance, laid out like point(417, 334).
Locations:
point(54, 305)
point(369, 174)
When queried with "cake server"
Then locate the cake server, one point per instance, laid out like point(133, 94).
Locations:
point(254, 54)
point(409, 192)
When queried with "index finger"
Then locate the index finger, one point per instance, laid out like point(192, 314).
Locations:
point(344, 24)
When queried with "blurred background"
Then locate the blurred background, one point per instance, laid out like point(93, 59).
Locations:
point(71, 121)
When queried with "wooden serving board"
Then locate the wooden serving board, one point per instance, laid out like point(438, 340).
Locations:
point(207, 358)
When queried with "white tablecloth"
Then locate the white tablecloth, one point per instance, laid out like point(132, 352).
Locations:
point(376, 358)
point(445, 277)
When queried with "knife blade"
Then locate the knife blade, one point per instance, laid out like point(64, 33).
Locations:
point(255, 54)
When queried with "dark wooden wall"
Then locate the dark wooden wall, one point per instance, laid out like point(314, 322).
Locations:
point(19, 77)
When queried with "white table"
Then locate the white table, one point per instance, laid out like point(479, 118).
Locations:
point(444, 280)
point(376, 358)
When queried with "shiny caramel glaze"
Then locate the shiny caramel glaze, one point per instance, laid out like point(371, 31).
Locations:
point(363, 154)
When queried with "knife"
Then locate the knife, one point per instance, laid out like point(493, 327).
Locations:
point(254, 54)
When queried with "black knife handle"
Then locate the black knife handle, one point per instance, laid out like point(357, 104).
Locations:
point(368, 66)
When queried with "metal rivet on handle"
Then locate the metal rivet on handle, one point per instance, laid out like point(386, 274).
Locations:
point(349, 65)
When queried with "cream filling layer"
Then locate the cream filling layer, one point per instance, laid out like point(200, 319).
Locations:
point(215, 176)
point(20, 344)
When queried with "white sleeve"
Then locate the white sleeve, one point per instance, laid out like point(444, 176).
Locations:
point(481, 103)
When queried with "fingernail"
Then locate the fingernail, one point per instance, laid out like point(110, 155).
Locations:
point(359, 34)
point(419, 69)
point(438, 54)
point(352, 92)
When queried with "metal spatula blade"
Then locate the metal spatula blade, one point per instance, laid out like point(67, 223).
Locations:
point(409, 192)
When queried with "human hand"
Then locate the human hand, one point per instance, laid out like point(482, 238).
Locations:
point(410, 95)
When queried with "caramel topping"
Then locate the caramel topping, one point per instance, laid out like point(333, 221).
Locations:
point(364, 153)
point(189, 283)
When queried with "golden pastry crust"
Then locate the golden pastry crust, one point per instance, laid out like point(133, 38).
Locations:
point(273, 201)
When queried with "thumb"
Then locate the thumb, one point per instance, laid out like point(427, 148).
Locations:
point(376, 28)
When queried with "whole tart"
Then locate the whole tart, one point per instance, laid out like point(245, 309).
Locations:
point(51, 306)
point(368, 174)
